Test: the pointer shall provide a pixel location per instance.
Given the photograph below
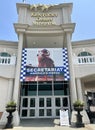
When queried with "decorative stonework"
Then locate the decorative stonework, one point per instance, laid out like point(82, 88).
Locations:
point(40, 7)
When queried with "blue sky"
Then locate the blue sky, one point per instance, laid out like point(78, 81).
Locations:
point(83, 14)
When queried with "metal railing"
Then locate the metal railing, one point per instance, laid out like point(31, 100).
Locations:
point(8, 60)
point(84, 60)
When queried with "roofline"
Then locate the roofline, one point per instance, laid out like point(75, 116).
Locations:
point(55, 6)
point(83, 42)
point(9, 43)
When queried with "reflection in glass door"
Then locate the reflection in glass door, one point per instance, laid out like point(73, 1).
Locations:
point(44, 99)
point(41, 106)
point(36, 107)
point(28, 107)
point(45, 107)
point(49, 107)
point(32, 107)
point(61, 103)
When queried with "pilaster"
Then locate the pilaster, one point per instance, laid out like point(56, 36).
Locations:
point(10, 90)
point(79, 89)
point(18, 67)
point(71, 68)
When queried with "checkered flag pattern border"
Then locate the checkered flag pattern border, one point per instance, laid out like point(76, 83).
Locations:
point(65, 64)
point(23, 68)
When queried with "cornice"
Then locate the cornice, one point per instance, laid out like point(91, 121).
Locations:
point(68, 27)
point(43, 7)
point(8, 43)
point(54, 29)
point(38, 30)
point(20, 27)
point(83, 43)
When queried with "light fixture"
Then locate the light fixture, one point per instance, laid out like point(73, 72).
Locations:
point(34, 43)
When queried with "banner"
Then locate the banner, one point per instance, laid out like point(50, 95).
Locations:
point(44, 64)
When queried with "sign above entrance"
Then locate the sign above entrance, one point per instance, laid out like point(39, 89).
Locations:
point(44, 64)
point(41, 15)
point(43, 18)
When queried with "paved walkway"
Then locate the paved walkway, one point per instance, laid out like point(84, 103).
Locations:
point(47, 124)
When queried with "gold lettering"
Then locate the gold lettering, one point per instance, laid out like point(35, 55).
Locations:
point(44, 23)
point(43, 15)
point(43, 18)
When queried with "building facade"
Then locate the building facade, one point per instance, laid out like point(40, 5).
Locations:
point(45, 71)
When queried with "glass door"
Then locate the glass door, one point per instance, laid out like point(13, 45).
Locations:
point(45, 107)
point(32, 107)
point(28, 107)
point(61, 102)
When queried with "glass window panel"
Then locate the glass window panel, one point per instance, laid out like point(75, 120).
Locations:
point(41, 112)
point(94, 95)
point(24, 90)
point(29, 88)
point(24, 113)
point(59, 92)
point(45, 88)
point(65, 89)
point(41, 102)
point(5, 54)
point(57, 112)
point(57, 102)
point(25, 102)
point(32, 102)
point(43, 93)
point(32, 87)
point(65, 102)
point(89, 94)
point(84, 53)
point(32, 91)
point(58, 88)
point(48, 102)
point(32, 112)
point(49, 112)
point(44, 82)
